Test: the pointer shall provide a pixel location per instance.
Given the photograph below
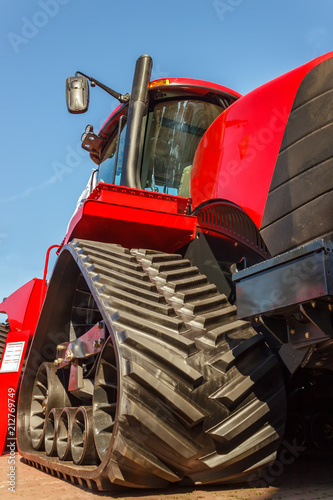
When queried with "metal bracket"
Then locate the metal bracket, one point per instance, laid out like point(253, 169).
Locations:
point(319, 313)
point(85, 346)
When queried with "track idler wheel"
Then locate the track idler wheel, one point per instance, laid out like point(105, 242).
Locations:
point(105, 399)
point(48, 392)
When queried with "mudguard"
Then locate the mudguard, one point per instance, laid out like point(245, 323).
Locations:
point(265, 150)
point(22, 309)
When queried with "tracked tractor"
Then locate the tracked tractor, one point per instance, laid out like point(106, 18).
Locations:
point(186, 330)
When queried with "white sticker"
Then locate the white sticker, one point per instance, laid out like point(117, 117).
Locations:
point(12, 357)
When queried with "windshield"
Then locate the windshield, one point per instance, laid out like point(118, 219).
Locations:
point(174, 131)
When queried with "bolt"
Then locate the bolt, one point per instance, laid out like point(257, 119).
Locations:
point(69, 354)
point(292, 331)
point(307, 335)
point(256, 319)
point(313, 303)
point(100, 325)
point(44, 405)
point(58, 361)
point(330, 307)
point(98, 343)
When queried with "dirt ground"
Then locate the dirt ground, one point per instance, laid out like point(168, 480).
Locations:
point(307, 478)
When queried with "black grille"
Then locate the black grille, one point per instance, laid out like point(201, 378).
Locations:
point(229, 220)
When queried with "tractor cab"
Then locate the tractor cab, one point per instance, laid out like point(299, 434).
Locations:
point(175, 124)
point(149, 141)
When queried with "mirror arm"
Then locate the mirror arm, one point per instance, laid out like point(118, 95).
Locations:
point(121, 98)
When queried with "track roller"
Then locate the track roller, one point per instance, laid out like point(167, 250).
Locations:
point(64, 434)
point(82, 442)
point(51, 431)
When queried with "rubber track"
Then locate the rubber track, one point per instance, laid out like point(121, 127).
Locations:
point(202, 397)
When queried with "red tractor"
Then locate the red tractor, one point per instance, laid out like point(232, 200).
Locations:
point(186, 330)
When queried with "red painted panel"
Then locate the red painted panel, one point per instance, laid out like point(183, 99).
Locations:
point(139, 198)
point(34, 306)
point(9, 384)
point(134, 218)
point(236, 157)
point(16, 305)
point(200, 87)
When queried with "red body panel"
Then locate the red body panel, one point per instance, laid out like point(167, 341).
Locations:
point(23, 306)
point(133, 218)
point(200, 87)
point(22, 309)
point(236, 157)
point(9, 384)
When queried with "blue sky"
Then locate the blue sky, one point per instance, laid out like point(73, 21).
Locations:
point(237, 43)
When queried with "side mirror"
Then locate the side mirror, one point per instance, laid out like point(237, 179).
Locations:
point(77, 94)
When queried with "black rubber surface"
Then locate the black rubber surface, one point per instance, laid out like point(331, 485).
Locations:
point(3, 336)
point(199, 395)
point(300, 199)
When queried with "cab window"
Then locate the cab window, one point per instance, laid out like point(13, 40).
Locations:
point(110, 169)
point(174, 130)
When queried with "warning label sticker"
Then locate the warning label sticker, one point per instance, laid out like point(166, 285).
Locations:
point(12, 357)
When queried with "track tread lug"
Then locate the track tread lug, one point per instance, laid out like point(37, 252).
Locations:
point(189, 412)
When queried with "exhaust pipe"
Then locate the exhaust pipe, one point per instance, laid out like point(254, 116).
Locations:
point(137, 112)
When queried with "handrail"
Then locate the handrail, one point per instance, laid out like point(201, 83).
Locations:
point(47, 262)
